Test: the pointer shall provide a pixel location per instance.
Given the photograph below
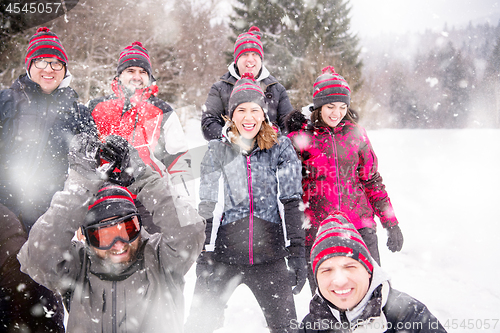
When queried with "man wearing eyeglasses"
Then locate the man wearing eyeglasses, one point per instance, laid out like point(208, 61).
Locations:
point(119, 278)
point(39, 114)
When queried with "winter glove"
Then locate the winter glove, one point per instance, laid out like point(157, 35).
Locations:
point(83, 155)
point(297, 267)
point(205, 264)
point(125, 163)
point(394, 238)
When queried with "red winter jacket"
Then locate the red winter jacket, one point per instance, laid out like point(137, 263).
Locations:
point(339, 170)
point(150, 125)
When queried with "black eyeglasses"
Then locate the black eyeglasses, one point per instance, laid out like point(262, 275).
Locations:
point(42, 64)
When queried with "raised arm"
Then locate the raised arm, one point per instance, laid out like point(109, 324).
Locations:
point(49, 256)
point(182, 229)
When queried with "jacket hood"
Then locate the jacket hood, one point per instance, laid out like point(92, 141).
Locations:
point(66, 81)
point(264, 73)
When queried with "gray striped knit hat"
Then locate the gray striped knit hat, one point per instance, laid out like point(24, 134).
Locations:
point(248, 42)
point(338, 237)
point(111, 200)
point(45, 44)
point(330, 87)
point(246, 90)
point(134, 55)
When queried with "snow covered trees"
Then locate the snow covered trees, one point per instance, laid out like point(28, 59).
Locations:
point(300, 38)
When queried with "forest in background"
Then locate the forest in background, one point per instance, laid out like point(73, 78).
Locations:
point(446, 79)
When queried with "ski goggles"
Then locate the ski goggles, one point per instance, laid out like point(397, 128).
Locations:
point(104, 236)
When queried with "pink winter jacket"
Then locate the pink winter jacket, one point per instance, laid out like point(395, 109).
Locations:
point(339, 172)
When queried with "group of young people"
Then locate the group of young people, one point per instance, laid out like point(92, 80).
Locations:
point(115, 237)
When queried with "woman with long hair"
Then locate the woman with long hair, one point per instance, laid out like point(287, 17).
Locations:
point(258, 169)
point(340, 168)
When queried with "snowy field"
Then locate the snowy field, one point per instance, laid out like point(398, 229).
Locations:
point(444, 186)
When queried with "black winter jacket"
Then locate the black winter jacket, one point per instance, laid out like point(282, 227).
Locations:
point(35, 132)
point(19, 294)
point(278, 103)
point(383, 309)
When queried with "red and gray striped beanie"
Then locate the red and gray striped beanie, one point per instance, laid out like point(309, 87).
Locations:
point(110, 201)
point(330, 87)
point(248, 42)
point(45, 44)
point(134, 55)
point(246, 90)
point(338, 237)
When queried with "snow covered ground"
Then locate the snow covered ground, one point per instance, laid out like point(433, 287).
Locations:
point(444, 186)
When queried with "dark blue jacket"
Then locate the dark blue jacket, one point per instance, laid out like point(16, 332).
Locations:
point(35, 132)
point(251, 230)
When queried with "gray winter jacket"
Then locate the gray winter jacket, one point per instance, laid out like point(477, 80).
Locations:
point(147, 295)
point(251, 230)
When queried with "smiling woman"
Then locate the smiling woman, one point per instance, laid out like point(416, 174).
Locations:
point(340, 167)
point(259, 171)
point(248, 118)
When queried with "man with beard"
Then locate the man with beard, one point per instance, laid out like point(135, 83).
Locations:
point(119, 278)
point(148, 123)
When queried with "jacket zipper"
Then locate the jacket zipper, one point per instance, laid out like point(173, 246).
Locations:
point(336, 165)
point(113, 307)
point(250, 221)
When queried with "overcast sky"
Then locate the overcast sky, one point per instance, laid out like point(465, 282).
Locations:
point(373, 17)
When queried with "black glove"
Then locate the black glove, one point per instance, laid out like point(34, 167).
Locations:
point(124, 157)
point(83, 155)
point(297, 267)
point(205, 264)
point(394, 238)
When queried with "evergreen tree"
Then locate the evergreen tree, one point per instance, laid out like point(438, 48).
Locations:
point(402, 101)
point(491, 84)
point(455, 74)
point(300, 38)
